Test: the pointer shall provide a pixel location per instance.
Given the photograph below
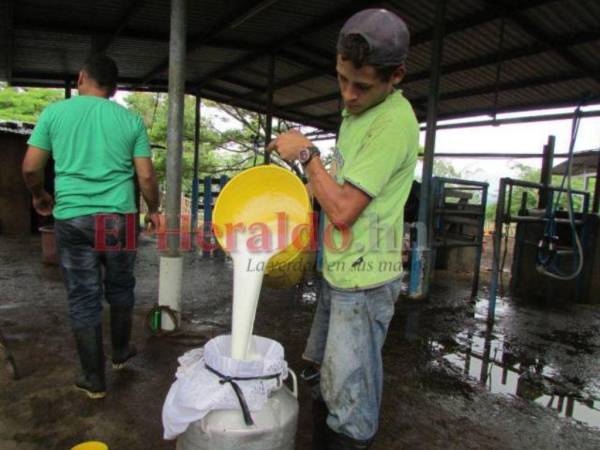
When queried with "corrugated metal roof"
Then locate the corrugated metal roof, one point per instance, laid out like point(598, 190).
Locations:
point(498, 55)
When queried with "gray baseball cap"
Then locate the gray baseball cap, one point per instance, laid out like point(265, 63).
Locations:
point(385, 32)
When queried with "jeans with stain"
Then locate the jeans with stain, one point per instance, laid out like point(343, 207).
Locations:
point(97, 257)
point(346, 339)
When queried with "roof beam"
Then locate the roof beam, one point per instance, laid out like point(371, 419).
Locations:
point(232, 98)
point(458, 25)
point(515, 120)
point(534, 31)
point(313, 100)
point(8, 26)
point(490, 13)
point(473, 63)
point(130, 10)
point(567, 102)
point(455, 26)
point(59, 77)
point(507, 86)
point(306, 75)
point(239, 82)
point(199, 39)
point(145, 36)
point(482, 90)
point(222, 94)
point(508, 55)
point(75, 30)
point(288, 39)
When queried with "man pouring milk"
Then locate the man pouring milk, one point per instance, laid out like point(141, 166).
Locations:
point(363, 198)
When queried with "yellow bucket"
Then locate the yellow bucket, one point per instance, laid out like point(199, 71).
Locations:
point(91, 445)
point(260, 195)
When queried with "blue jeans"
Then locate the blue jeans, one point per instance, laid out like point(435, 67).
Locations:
point(88, 246)
point(346, 338)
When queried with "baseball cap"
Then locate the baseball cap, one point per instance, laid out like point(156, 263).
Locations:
point(386, 34)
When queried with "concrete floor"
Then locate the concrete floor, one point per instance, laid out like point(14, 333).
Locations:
point(532, 381)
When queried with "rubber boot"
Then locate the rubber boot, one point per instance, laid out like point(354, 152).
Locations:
point(120, 333)
point(91, 356)
point(338, 441)
point(321, 431)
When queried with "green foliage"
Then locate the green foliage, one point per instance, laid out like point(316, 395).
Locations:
point(221, 151)
point(528, 173)
point(442, 168)
point(25, 105)
point(445, 169)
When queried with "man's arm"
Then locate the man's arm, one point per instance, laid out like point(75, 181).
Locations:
point(147, 180)
point(33, 174)
point(146, 176)
point(344, 203)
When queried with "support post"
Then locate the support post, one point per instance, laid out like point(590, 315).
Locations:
point(596, 202)
point(269, 117)
point(195, 187)
point(175, 123)
point(421, 266)
point(546, 175)
point(68, 88)
point(207, 227)
point(479, 250)
point(497, 249)
point(171, 264)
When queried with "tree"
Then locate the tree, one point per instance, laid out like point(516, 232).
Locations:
point(445, 169)
point(25, 104)
point(528, 173)
point(222, 152)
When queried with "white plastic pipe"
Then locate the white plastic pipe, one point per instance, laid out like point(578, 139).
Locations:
point(169, 288)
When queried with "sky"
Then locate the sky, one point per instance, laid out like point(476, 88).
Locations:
point(511, 138)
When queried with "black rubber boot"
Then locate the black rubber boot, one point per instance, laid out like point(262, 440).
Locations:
point(321, 431)
point(120, 333)
point(311, 374)
point(91, 357)
point(338, 441)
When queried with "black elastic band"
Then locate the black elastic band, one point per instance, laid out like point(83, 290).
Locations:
point(238, 391)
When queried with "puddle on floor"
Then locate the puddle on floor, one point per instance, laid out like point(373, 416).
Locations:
point(484, 355)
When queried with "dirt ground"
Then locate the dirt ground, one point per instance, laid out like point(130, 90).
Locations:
point(530, 381)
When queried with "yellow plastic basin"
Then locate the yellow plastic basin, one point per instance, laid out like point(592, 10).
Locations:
point(258, 195)
point(91, 445)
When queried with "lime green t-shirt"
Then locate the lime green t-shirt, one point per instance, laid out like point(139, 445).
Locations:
point(93, 142)
point(377, 152)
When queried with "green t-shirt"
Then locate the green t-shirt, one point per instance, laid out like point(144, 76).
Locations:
point(377, 152)
point(93, 142)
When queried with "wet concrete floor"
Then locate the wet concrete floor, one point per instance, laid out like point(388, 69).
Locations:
point(452, 382)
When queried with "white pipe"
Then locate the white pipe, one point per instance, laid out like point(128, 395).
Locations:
point(169, 288)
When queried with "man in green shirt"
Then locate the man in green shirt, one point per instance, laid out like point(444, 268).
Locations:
point(98, 148)
point(363, 200)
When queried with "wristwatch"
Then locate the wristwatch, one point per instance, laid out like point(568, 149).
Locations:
point(307, 154)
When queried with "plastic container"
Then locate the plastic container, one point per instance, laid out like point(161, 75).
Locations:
point(258, 195)
point(49, 252)
point(91, 445)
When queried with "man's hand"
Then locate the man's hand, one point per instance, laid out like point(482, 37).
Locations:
point(152, 221)
point(43, 203)
point(289, 144)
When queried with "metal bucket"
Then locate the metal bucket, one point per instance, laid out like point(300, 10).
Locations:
point(274, 426)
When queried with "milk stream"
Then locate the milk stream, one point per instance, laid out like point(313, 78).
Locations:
point(248, 272)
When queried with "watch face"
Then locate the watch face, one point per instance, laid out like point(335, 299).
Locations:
point(304, 155)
